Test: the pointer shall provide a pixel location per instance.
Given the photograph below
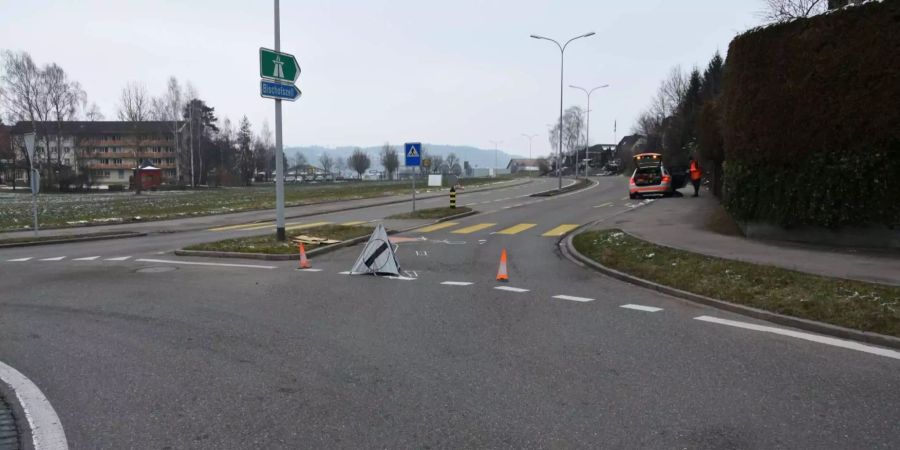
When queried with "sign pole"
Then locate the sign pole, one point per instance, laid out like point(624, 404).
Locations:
point(414, 190)
point(279, 151)
point(35, 178)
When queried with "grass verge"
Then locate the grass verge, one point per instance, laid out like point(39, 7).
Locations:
point(852, 304)
point(268, 244)
point(432, 213)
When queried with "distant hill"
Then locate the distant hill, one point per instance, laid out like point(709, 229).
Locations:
point(477, 157)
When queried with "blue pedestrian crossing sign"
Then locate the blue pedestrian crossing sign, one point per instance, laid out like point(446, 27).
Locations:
point(413, 151)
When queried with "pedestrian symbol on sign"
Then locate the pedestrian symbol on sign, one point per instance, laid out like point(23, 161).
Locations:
point(413, 152)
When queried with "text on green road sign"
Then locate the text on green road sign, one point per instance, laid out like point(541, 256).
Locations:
point(278, 66)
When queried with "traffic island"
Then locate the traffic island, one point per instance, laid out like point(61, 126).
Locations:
point(435, 214)
point(843, 308)
point(62, 239)
point(579, 184)
point(317, 240)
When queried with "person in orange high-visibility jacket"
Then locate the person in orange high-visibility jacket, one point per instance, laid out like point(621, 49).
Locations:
point(696, 176)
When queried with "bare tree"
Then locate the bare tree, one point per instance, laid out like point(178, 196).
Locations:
point(359, 161)
point(327, 162)
point(93, 113)
point(22, 91)
point(265, 150)
point(64, 97)
point(787, 10)
point(340, 166)
point(389, 159)
point(134, 103)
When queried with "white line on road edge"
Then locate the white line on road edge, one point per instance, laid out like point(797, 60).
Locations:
point(19, 259)
point(58, 258)
point(574, 299)
point(120, 258)
point(641, 308)
point(46, 430)
point(805, 336)
point(510, 289)
point(166, 261)
point(88, 258)
point(457, 283)
point(309, 270)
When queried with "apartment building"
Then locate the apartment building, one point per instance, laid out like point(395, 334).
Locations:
point(107, 152)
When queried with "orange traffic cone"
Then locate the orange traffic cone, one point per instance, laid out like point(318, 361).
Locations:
point(502, 274)
point(304, 263)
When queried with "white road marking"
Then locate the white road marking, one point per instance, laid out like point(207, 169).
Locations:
point(457, 283)
point(58, 258)
point(400, 278)
point(46, 429)
point(805, 336)
point(344, 273)
point(421, 253)
point(19, 259)
point(510, 289)
point(574, 299)
point(88, 258)
point(641, 308)
point(166, 261)
point(120, 258)
point(309, 270)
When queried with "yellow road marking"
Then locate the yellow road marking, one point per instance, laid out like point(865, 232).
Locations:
point(473, 228)
point(437, 226)
point(235, 227)
point(350, 224)
point(306, 225)
point(560, 230)
point(518, 228)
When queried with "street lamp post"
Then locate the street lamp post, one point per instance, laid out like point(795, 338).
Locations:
point(496, 144)
point(562, 60)
point(587, 144)
point(530, 137)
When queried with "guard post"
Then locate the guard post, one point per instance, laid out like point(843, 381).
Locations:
point(453, 197)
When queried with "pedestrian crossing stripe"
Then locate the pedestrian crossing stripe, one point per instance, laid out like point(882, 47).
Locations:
point(473, 228)
point(239, 226)
point(517, 228)
point(437, 226)
point(561, 230)
point(306, 225)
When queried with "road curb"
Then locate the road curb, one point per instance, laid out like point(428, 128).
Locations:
point(76, 238)
point(569, 251)
point(577, 186)
point(38, 425)
point(449, 218)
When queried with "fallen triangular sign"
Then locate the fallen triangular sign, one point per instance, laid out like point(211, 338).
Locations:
point(377, 257)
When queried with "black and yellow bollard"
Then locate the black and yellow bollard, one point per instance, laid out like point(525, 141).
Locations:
point(453, 197)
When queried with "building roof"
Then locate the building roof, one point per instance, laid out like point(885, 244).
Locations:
point(94, 127)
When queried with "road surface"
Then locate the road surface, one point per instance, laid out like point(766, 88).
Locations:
point(136, 349)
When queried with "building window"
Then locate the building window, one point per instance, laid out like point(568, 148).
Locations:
point(117, 160)
point(67, 150)
point(104, 160)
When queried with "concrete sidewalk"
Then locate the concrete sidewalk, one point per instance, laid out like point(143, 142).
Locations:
point(686, 222)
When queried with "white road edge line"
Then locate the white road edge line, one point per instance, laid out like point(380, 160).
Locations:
point(87, 258)
point(574, 299)
point(19, 259)
point(510, 289)
point(641, 308)
point(805, 336)
point(166, 261)
point(57, 258)
point(46, 429)
point(457, 283)
point(120, 258)
point(309, 270)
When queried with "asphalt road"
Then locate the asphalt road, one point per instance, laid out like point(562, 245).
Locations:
point(138, 354)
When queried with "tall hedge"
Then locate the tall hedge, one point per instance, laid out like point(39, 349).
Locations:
point(811, 120)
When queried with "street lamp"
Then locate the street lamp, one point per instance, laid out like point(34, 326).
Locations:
point(530, 137)
point(496, 143)
point(562, 52)
point(587, 144)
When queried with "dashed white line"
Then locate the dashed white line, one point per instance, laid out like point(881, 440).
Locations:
point(46, 429)
point(572, 298)
point(457, 283)
point(641, 308)
point(191, 263)
point(87, 258)
point(805, 336)
point(19, 259)
point(58, 258)
point(344, 273)
point(309, 270)
point(120, 258)
point(510, 289)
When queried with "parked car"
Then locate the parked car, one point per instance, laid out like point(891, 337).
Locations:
point(650, 177)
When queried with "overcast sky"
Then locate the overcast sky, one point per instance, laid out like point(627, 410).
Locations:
point(446, 72)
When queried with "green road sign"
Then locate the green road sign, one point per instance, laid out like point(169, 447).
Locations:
point(278, 66)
